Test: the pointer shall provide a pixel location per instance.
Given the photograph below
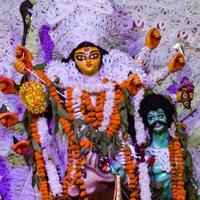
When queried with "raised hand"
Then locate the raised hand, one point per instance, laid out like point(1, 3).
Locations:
point(153, 38)
point(134, 84)
point(9, 119)
point(176, 63)
point(24, 60)
point(22, 147)
point(7, 86)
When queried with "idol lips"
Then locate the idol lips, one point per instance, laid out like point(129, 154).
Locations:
point(89, 65)
point(157, 124)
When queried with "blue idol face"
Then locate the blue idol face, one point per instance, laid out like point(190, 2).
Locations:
point(157, 120)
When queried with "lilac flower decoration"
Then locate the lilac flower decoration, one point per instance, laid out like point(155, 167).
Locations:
point(172, 89)
point(46, 42)
point(4, 180)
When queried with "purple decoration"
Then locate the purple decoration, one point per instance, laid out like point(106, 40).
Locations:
point(185, 83)
point(4, 180)
point(172, 89)
point(46, 42)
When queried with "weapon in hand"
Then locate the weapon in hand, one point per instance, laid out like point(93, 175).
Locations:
point(31, 72)
point(26, 14)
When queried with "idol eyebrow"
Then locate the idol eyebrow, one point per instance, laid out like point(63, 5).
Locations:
point(95, 51)
point(160, 111)
point(80, 53)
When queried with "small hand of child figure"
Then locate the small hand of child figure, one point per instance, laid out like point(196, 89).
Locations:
point(24, 60)
point(176, 63)
point(153, 38)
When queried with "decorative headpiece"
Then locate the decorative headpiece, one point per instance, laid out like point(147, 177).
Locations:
point(77, 21)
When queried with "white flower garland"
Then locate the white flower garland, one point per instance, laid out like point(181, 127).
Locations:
point(53, 177)
point(76, 103)
point(52, 173)
point(108, 107)
point(144, 180)
point(139, 125)
point(115, 66)
point(109, 88)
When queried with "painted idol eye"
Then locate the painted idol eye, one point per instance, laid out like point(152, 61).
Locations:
point(81, 57)
point(94, 56)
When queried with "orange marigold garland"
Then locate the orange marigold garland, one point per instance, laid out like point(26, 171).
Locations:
point(131, 171)
point(69, 103)
point(93, 114)
point(51, 87)
point(74, 157)
point(114, 123)
point(177, 169)
point(40, 164)
point(74, 154)
point(173, 168)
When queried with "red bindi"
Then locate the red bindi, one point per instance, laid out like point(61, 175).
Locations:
point(86, 49)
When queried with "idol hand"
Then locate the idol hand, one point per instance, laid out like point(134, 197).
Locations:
point(7, 86)
point(22, 147)
point(24, 60)
point(134, 84)
point(176, 63)
point(8, 119)
point(153, 38)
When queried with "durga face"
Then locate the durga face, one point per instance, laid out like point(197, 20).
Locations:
point(88, 60)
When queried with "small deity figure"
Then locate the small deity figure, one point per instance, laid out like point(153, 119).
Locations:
point(165, 151)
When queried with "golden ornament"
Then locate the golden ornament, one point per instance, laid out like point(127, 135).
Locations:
point(33, 97)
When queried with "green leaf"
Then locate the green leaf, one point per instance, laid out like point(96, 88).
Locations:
point(16, 160)
point(56, 81)
point(62, 113)
point(189, 161)
point(84, 151)
point(18, 128)
point(36, 146)
point(122, 106)
point(29, 160)
point(125, 93)
point(55, 117)
point(76, 138)
point(27, 121)
point(84, 132)
point(40, 66)
point(104, 148)
point(105, 137)
point(116, 142)
point(79, 122)
point(35, 180)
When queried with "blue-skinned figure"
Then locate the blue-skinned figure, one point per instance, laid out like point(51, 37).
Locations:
point(157, 113)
